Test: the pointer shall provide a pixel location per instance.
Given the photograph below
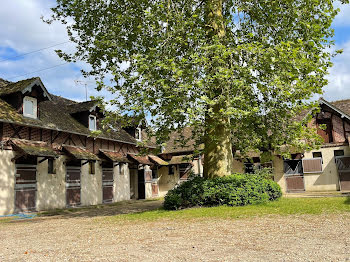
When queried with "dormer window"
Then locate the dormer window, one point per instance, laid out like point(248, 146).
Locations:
point(92, 123)
point(138, 134)
point(30, 107)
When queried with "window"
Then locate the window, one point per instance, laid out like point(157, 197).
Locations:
point(292, 167)
point(30, 107)
point(92, 123)
point(338, 153)
point(51, 166)
point(317, 155)
point(92, 167)
point(138, 134)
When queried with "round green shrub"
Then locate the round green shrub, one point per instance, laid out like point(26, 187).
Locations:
point(234, 190)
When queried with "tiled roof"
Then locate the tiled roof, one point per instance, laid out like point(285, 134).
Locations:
point(4, 82)
point(158, 160)
point(115, 156)
point(140, 159)
point(173, 146)
point(16, 86)
point(80, 153)
point(56, 115)
point(81, 107)
point(343, 105)
point(31, 148)
point(177, 160)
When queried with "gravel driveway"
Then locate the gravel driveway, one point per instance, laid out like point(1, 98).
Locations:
point(98, 238)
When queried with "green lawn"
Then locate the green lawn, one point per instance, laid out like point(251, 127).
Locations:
point(284, 206)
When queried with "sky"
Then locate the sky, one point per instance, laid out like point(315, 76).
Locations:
point(22, 31)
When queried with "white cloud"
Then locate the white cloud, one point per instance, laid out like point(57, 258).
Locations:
point(342, 19)
point(23, 31)
point(339, 76)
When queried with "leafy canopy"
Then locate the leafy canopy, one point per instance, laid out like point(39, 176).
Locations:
point(271, 60)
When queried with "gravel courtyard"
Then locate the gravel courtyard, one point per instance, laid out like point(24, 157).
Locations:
point(87, 236)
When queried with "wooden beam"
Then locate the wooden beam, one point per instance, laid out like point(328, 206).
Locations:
point(29, 133)
point(56, 136)
point(81, 141)
point(16, 131)
point(71, 139)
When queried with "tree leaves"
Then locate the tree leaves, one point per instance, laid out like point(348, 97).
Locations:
point(272, 59)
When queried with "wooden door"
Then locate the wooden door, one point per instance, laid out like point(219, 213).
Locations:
point(107, 185)
point(141, 184)
point(343, 166)
point(295, 183)
point(73, 186)
point(25, 188)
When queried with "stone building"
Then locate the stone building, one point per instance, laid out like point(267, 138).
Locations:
point(56, 153)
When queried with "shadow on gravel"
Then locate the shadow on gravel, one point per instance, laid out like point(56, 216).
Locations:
point(119, 208)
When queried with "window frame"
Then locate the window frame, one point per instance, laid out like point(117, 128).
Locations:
point(34, 102)
point(95, 119)
point(138, 131)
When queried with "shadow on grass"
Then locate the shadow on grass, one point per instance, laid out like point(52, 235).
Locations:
point(347, 200)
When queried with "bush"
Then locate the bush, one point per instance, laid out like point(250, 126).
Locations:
point(234, 190)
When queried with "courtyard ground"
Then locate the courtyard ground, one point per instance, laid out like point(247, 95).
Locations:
point(286, 230)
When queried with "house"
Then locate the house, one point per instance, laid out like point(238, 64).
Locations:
point(326, 169)
point(56, 153)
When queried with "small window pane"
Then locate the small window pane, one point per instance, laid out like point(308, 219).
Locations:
point(317, 155)
point(92, 123)
point(338, 152)
point(28, 107)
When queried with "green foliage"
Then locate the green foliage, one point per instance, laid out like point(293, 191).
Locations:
point(260, 69)
point(234, 190)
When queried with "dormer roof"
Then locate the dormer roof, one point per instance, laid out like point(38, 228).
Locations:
point(83, 107)
point(24, 86)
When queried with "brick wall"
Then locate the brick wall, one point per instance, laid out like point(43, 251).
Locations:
point(338, 130)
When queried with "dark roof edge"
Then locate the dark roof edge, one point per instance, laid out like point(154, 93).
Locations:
point(75, 133)
point(343, 114)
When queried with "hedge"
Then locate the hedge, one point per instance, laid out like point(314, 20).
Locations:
point(234, 190)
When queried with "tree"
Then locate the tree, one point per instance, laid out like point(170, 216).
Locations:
point(237, 71)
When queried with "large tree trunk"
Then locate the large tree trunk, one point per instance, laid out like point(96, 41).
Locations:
point(218, 147)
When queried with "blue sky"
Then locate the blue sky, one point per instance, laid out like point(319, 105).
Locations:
point(22, 31)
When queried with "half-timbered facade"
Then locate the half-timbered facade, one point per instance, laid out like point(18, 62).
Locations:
point(55, 153)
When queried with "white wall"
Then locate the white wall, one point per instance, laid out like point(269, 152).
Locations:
point(121, 184)
point(91, 185)
point(51, 188)
point(7, 182)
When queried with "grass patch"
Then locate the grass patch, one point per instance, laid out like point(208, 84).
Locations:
point(284, 206)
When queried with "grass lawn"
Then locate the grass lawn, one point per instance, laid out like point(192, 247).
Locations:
point(283, 206)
